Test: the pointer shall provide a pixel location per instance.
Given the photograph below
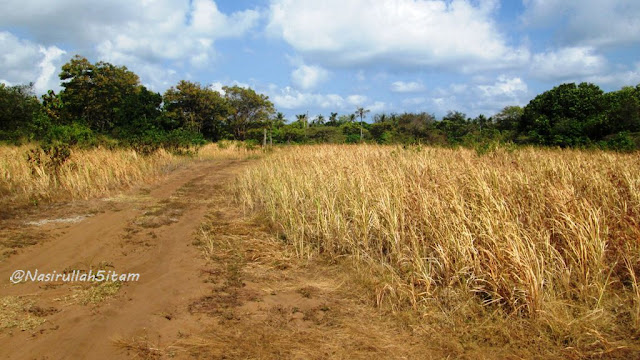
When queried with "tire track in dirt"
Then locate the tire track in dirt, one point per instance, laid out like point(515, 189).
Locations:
point(151, 235)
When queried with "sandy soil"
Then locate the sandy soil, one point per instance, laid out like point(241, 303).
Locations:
point(214, 283)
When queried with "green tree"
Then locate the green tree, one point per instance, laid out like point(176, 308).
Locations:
point(566, 115)
point(279, 120)
point(248, 109)
point(193, 107)
point(95, 93)
point(623, 110)
point(333, 119)
point(380, 118)
point(140, 112)
point(416, 125)
point(318, 121)
point(302, 121)
point(508, 118)
point(19, 111)
point(455, 126)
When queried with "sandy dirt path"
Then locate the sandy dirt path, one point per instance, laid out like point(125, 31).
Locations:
point(213, 283)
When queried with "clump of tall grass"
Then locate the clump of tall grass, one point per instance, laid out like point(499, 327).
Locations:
point(228, 150)
point(27, 173)
point(547, 236)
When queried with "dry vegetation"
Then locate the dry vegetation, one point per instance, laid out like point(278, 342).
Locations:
point(86, 173)
point(536, 249)
point(28, 174)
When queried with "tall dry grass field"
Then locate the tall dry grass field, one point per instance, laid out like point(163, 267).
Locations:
point(538, 248)
point(89, 173)
point(84, 174)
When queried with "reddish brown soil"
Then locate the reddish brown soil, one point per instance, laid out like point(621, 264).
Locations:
point(213, 283)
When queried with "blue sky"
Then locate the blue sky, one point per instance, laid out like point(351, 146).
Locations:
point(327, 56)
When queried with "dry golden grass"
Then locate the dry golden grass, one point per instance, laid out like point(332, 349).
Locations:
point(542, 243)
point(87, 173)
point(90, 173)
point(228, 150)
point(16, 312)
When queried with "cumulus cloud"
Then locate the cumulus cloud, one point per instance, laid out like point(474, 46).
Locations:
point(357, 100)
point(406, 87)
point(147, 36)
point(377, 107)
point(48, 66)
point(568, 63)
point(484, 98)
point(307, 77)
point(459, 35)
point(508, 87)
point(217, 86)
point(24, 61)
point(617, 79)
point(587, 22)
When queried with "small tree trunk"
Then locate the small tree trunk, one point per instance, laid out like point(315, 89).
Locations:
point(271, 137)
point(264, 138)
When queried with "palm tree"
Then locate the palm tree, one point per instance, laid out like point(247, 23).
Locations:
point(362, 112)
point(302, 118)
point(380, 118)
point(279, 119)
point(319, 120)
point(277, 122)
point(333, 119)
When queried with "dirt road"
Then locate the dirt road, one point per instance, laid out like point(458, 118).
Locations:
point(213, 283)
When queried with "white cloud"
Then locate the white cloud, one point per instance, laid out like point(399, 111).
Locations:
point(459, 35)
point(307, 77)
point(568, 63)
point(48, 67)
point(587, 22)
point(289, 98)
point(377, 107)
point(357, 100)
point(504, 87)
point(487, 98)
point(618, 79)
point(218, 85)
point(407, 87)
point(24, 61)
point(147, 36)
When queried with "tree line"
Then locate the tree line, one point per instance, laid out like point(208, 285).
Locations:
point(104, 104)
point(568, 115)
